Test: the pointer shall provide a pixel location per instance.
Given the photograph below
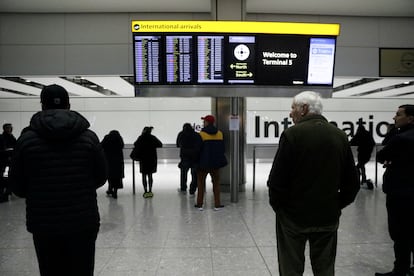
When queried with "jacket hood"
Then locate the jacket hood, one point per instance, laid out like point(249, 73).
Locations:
point(210, 129)
point(58, 124)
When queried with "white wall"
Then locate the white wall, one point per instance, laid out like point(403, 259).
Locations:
point(127, 115)
point(167, 115)
point(374, 114)
point(100, 44)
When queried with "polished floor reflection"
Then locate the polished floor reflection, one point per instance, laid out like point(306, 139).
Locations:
point(166, 235)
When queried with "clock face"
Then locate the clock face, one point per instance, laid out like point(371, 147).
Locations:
point(241, 52)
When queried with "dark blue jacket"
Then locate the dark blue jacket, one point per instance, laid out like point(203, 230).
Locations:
point(57, 166)
point(212, 149)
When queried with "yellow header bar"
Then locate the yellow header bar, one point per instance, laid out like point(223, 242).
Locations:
point(248, 27)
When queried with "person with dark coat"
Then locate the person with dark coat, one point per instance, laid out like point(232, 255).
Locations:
point(146, 153)
point(57, 166)
point(391, 131)
point(365, 142)
point(313, 177)
point(398, 185)
point(7, 144)
point(113, 146)
point(211, 159)
point(188, 141)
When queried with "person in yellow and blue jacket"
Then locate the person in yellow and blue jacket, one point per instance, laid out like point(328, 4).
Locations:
point(210, 161)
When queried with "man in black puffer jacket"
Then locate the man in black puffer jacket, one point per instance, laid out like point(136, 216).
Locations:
point(57, 166)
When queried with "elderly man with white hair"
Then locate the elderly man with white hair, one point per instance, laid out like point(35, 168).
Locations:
point(312, 178)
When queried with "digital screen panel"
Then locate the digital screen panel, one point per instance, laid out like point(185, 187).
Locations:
point(241, 60)
point(282, 60)
point(234, 59)
point(179, 59)
point(321, 61)
point(147, 61)
point(210, 59)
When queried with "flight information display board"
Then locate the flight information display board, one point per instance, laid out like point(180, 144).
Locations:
point(197, 53)
point(147, 59)
point(210, 62)
point(178, 59)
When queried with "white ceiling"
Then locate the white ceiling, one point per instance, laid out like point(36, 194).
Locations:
point(322, 7)
point(334, 7)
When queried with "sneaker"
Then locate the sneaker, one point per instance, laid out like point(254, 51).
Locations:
point(145, 195)
point(199, 207)
point(218, 208)
point(150, 194)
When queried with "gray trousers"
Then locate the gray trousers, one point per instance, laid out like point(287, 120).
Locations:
point(291, 243)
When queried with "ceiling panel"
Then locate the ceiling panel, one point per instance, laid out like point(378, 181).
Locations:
point(115, 84)
point(393, 92)
point(374, 85)
point(344, 80)
point(334, 7)
point(402, 8)
point(14, 86)
point(344, 87)
point(72, 88)
point(83, 6)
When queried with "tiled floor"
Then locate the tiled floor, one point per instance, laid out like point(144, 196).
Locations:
point(166, 235)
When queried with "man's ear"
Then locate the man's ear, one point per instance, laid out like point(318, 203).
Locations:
point(305, 109)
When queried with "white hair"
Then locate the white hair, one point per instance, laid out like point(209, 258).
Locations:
point(312, 99)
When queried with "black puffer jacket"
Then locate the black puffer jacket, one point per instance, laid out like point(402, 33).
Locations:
point(57, 166)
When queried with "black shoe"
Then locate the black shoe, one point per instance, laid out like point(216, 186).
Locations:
point(370, 185)
point(4, 198)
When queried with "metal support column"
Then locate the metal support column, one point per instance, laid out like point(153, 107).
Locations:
point(133, 177)
point(234, 126)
